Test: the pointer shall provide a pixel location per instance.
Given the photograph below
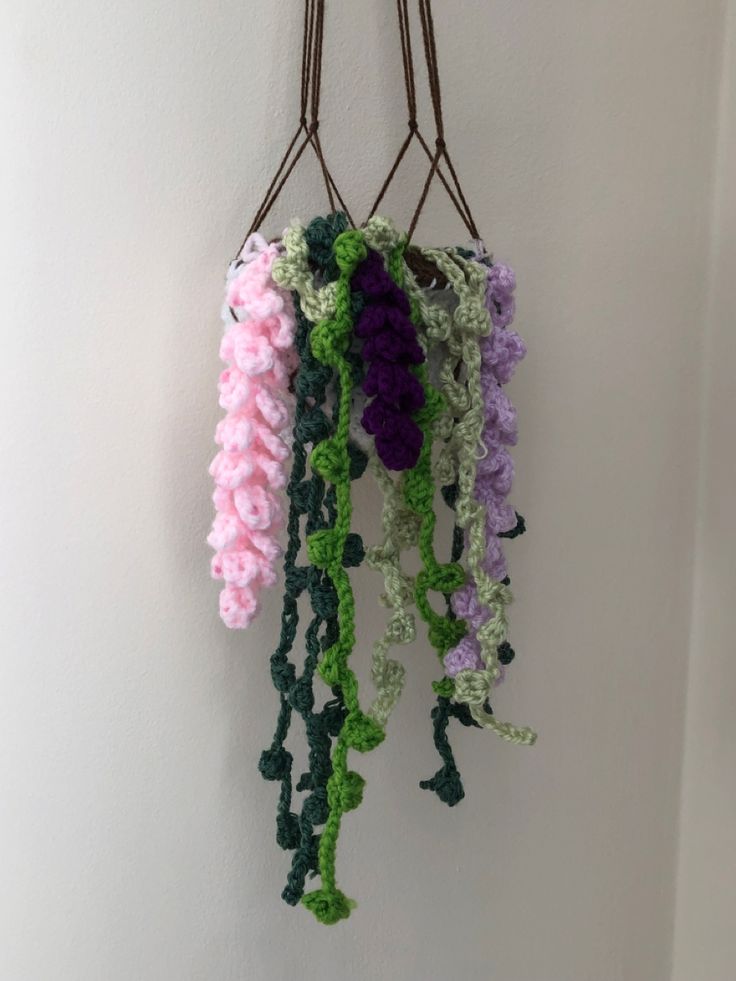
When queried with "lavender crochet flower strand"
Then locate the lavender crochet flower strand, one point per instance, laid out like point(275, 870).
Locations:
point(500, 352)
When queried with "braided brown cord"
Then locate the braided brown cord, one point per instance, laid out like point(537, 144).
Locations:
point(309, 98)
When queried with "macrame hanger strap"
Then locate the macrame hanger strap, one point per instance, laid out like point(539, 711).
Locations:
point(309, 97)
point(407, 59)
point(314, 110)
point(411, 99)
point(441, 151)
point(273, 191)
point(314, 121)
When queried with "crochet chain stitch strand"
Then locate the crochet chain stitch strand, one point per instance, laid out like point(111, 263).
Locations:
point(330, 341)
point(337, 283)
point(473, 686)
point(308, 496)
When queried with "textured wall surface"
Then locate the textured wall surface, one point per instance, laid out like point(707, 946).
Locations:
point(136, 833)
point(705, 944)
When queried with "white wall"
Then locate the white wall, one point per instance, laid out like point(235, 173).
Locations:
point(705, 943)
point(136, 833)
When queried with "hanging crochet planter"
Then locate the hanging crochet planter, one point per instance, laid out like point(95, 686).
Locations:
point(352, 354)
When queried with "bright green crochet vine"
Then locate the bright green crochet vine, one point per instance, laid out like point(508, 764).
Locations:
point(330, 342)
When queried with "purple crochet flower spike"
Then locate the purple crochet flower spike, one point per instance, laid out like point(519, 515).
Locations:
point(500, 352)
point(390, 347)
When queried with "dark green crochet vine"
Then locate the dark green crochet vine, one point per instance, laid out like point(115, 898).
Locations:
point(447, 782)
point(321, 265)
point(310, 497)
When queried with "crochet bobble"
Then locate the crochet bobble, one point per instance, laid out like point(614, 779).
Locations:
point(418, 485)
point(439, 328)
point(250, 465)
point(444, 331)
point(400, 524)
point(308, 495)
point(330, 341)
point(362, 320)
point(419, 489)
point(390, 348)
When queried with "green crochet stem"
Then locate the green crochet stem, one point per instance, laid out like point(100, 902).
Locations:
point(473, 688)
point(330, 341)
point(307, 496)
point(419, 490)
point(447, 782)
point(451, 417)
point(464, 401)
point(400, 530)
point(437, 323)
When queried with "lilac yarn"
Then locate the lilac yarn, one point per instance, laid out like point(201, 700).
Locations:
point(494, 561)
point(465, 605)
point(500, 352)
point(495, 473)
point(392, 382)
point(464, 657)
point(390, 347)
point(499, 294)
point(500, 421)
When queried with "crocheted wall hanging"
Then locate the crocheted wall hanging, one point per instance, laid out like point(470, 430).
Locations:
point(351, 353)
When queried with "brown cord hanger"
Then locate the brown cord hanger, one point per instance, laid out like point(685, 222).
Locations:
point(414, 131)
point(430, 49)
point(309, 98)
point(311, 80)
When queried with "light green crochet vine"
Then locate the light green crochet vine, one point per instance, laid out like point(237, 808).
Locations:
point(473, 687)
point(419, 487)
point(349, 349)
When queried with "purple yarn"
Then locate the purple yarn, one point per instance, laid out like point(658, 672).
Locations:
point(372, 279)
point(495, 473)
point(499, 294)
point(464, 657)
point(500, 352)
point(500, 421)
point(493, 562)
point(390, 347)
point(381, 316)
point(391, 381)
point(386, 345)
point(500, 516)
point(465, 605)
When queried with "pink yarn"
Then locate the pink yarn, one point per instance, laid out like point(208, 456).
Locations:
point(249, 468)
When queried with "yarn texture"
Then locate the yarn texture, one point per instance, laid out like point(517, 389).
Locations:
point(348, 352)
point(249, 469)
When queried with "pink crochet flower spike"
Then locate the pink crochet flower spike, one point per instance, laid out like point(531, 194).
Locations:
point(250, 467)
